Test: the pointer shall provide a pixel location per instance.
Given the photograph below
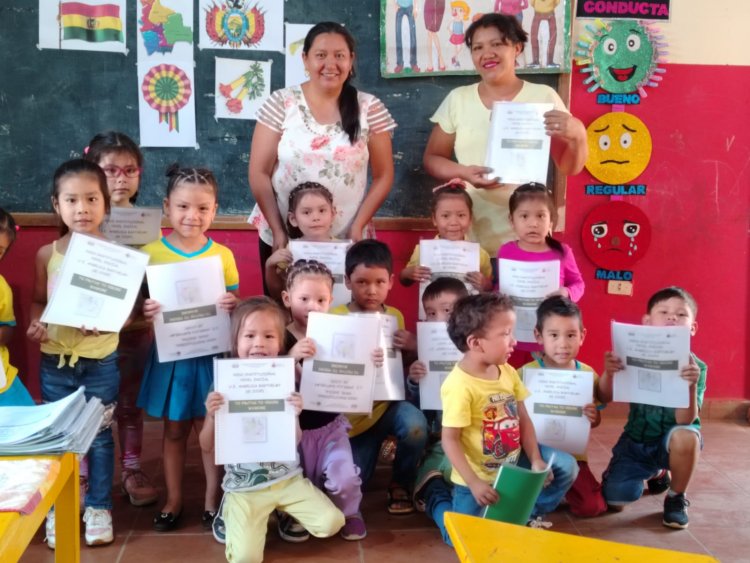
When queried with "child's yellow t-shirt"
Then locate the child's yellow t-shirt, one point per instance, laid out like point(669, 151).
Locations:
point(363, 422)
point(7, 318)
point(486, 411)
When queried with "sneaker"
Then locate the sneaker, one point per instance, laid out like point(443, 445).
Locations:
point(290, 530)
point(675, 511)
point(659, 483)
point(218, 528)
point(538, 523)
point(49, 529)
point(138, 487)
point(98, 526)
point(354, 528)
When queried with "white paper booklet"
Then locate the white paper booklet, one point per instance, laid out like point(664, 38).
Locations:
point(437, 352)
point(518, 147)
point(556, 407)
point(333, 255)
point(133, 226)
point(256, 423)
point(447, 259)
point(653, 356)
point(527, 284)
point(97, 286)
point(389, 378)
point(190, 323)
point(341, 376)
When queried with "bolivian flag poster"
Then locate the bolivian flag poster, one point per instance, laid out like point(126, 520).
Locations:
point(93, 25)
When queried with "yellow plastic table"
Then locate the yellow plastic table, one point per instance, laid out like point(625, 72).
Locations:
point(477, 540)
point(16, 530)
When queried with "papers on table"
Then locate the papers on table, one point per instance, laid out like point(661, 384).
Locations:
point(653, 356)
point(527, 284)
point(256, 423)
point(447, 259)
point(556, 407)
point(190, 323)
point(67, 425)
point(518, 147)
point(133, 226)
point(518, 489)
point(341, 376)
point(97, 285)
point(437, 352)
point(333, 255)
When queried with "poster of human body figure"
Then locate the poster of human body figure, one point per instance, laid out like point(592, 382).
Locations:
point(426, 37)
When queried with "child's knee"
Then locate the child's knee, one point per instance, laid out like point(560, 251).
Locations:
point(175, 432)
point(684, 442)
point(342, 478)
point(327, 522)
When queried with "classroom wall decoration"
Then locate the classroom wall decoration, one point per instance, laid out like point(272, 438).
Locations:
point(294, 69)
point(242, 24)
point(619, 147)
point(95, 25)
point(166, 105)
point(419, 37)
point(165, 27)
point(241, 87)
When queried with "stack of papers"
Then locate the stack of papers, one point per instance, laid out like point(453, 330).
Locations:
point(67, 425)
point(23, 483)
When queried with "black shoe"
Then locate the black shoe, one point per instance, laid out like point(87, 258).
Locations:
point(208, 519)
point(166, 521)
point(660, 483)
point(217, 526)
point(675, 511)
point(290, 530)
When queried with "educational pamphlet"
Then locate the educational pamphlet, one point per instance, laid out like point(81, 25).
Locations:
point(437, 352)
point(518, 489)
point(333, 255)
point(447, 259)
point(389, 378)
point(133, 226)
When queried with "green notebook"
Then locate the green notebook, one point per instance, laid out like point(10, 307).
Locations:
point(518, 489)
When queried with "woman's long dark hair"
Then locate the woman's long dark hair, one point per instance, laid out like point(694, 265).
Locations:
point(348, 101)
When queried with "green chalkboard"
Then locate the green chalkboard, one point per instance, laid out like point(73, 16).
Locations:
point(52, 102)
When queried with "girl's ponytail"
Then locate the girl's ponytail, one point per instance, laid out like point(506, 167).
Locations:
point(554, 244)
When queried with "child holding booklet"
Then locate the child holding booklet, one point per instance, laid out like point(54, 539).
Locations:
point(559, 330)
point(485, 423)
point(657, 439)
point(176, 390)
point(254, 490)
point(451, 215)
point(369, 276)
point(122, 162)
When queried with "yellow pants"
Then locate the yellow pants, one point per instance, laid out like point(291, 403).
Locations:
point(246, 515)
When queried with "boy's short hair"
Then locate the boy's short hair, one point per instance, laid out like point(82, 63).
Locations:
point(471, 314)
point(444, 285)
point(559, 306)
point(370, 253)
point(669, 293)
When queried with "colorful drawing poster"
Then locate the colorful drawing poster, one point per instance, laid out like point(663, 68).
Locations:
point(166, 104)
point(294, 69)
point(241, 24)
point(165, 30)
point(94, 25)
point(241, 87)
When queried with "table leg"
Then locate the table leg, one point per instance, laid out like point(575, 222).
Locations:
point(67, 517)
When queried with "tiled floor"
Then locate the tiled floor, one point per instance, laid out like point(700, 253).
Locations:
point(719, 516)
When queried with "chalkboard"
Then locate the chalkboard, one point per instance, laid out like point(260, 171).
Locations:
point(53, 102)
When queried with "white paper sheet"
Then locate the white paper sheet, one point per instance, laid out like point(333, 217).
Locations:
point(341, 376)
point(437, 352)
point(447, 259)
point(294, 68)
point(333, 255)
point(556, 407)
point(165, 30)
point(58, 20)
point(249, 25)
point(518, 148)
point(190, 323)
point(133, 226)
point(256, 423)
point(97, 286)
point(653, 356)
point(527, 284)
point(241, 87)
point(166, 103)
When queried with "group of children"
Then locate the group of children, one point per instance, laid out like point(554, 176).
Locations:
point(442, 461)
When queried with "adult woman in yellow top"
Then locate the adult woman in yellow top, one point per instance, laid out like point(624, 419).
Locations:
point(462, 126)
point(322, 131)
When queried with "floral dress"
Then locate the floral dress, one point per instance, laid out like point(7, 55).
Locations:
point(309, 151)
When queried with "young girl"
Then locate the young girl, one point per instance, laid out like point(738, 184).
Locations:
point(310, 217)
point(12, 390)
point(326, 452)
point(122, 162)
point(532, 215)
point(176, 391)
point(451, 215)
point(73, 357)
point(254, 490)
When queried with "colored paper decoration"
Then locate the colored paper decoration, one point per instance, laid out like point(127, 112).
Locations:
point(93, 25)
point(615, 235)
point(619, 147)
point(163, 26)
point(166, 88)
point(240, 87)
point(235, 24)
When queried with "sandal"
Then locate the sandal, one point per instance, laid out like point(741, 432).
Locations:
point(166, 521)
point(207, 520)
point(399, 500)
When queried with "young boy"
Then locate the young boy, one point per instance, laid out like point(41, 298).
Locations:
point(559, 330)
point(485, 423)
point(369, 276)
point(658, 438)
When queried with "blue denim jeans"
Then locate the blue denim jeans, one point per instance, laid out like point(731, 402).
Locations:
point(409, 14)
point(438, 499)
point(101, 379)
point(407, 423)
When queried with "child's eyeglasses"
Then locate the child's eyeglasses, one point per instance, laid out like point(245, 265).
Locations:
point(113, 171)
